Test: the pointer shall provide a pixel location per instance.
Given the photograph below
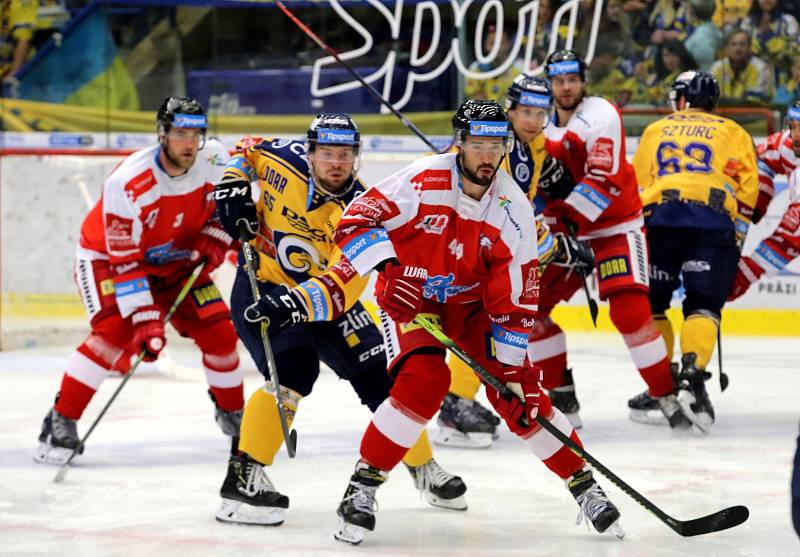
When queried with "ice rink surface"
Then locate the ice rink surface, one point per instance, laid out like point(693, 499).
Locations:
point(148, 482)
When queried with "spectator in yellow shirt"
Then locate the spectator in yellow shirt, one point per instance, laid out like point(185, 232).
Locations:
point(17, 24)
point(742, 76)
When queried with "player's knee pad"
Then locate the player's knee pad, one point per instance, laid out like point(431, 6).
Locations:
point(261, 431)
point(463, 381)
point(699, 335)
point(629, 310)
point(422, 381)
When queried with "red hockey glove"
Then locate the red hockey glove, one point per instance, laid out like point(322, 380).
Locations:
point(524, 382)
point(148, 331)
point(749, 272)
point(212, 244)
point(398, 291)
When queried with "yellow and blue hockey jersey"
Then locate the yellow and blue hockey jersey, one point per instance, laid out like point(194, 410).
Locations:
point(295, 243)
point(696, 169)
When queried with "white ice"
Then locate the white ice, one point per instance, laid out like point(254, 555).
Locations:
point(147, 484)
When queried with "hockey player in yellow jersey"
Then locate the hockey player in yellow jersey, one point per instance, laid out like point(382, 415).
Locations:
point(309, 297)
point(462, 421)
point(699, 183)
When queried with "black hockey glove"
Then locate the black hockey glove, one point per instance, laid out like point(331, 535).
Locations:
point(281, 307)
point(234, 206)
point(555, 181)
point(573, 253)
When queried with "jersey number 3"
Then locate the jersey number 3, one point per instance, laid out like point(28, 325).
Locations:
point(669, 162)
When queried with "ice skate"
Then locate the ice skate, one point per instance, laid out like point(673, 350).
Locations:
point(248, 497)
point(58, 439)
point(564, 399)
point(692, 394)
point(357, 509)
point(228, 421)
point(666, 410)
point(440, 488)
point(594, 503)
point(463, 423)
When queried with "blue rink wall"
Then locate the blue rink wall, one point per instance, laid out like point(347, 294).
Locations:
point(43, 200)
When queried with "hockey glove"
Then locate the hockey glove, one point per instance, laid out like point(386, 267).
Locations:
point(555, 181)
point(573, 253)
point(281, 307)
point(748, 272)
point(524, 382)
point(235, 206)
point(398, 291)
point(212, 244)
point(148, 331)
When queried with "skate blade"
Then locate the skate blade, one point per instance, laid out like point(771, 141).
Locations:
point(449, 437)
point(616, 530)
point(48, 454)
point(649, 417)
point(349, 533)
point(456, 504)
point(235, 512)
point(701, 422)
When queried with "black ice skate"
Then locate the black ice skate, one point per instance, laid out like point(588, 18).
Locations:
point(248, 497)
point(666, 410)
point(564, 399)
point(228, 421)
point(440, 487)
point(357, 509)
point(58, 439)
point(595, 505)
point(692, 394)
point(463, 423)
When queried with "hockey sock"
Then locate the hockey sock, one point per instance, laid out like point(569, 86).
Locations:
point(463, 381)
point(84, 374)
point(630, 313)
point(420, 452)
point(392, 431)
point(261, 434)
point(699, 335)
point(556, 456)
point(548, 349)
point(225, 379)
point(664, 327)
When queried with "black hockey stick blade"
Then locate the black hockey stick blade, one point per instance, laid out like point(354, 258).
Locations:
point(716, 522)
point(723, 381)
point(592, 303)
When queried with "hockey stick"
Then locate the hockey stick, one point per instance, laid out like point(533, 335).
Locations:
point(374, 92)
point(723, 377)
point(62, 471)
point(593, 311)
point(250, 259)
point(721, 520)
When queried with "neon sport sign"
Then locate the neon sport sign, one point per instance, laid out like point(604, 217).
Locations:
point(429, 13)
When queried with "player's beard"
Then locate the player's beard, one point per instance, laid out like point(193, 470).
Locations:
point(479, 180)
point(573, 104)
point(178, 161)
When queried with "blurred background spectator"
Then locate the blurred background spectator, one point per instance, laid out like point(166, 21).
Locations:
point(705, 38)
point(657, 74)
point(17, 25)
point(743, 77)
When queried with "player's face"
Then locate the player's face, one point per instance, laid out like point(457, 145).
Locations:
point(794, 131)
point(480, 157)
point(181, 146)
point(567, 90)
point(332, 165)
point(528, 121)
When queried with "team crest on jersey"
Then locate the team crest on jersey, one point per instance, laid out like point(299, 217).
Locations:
point(522, 173)
point(163, 254)
point(119, 234)
point(602, 155)
point(616, 266)
point(433, 224)
point(440, 287)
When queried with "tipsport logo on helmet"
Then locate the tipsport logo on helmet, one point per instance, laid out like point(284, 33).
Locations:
point(794, 114)
point(190, 121)
point(568, 66)
point(432, 50)
point(532, 99)
point(488, 129)
point(330, 135)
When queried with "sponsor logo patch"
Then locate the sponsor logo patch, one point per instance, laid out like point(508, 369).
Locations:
point(433, 224)
point(432, 179)
point(601, 156)
point(614, 267)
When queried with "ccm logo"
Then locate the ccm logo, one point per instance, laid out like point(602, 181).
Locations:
point(224, 193)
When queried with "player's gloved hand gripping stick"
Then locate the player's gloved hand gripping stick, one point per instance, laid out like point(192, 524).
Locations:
point(62, 471)
point(720, 520)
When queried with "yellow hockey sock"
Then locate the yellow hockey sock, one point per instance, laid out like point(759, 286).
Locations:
point(420, 452)
point(463, 381)
point(699, 335)
point(664, 327)
point(261, 435)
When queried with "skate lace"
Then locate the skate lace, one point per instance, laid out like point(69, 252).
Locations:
point(592, 502)
point(431, 474)
point(362, 497)
point(258, 481)
point(64, 428)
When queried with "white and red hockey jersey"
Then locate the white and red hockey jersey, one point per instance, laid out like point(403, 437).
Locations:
point(775, 156)
point(473, 250)
point(146, 222)
point(774, 253)
point(605, 200)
